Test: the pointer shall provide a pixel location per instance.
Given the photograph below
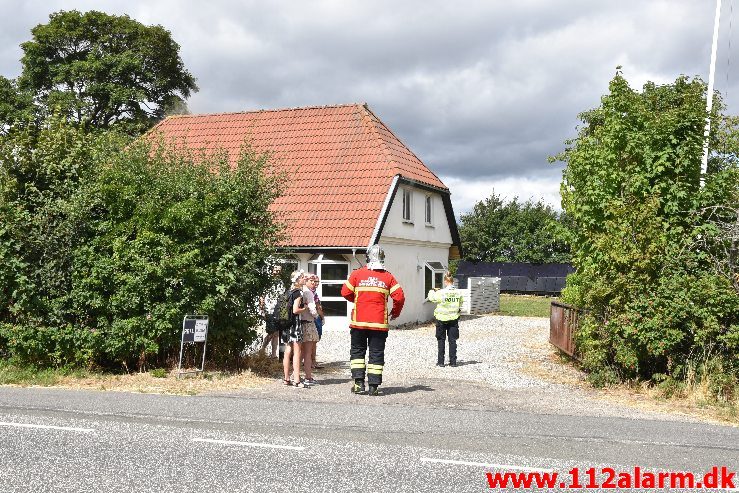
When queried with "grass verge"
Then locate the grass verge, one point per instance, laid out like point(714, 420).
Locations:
point(524, 305)
point(156, 381)
point(693, 398)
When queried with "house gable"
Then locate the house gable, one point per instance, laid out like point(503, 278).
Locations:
point(408, 216)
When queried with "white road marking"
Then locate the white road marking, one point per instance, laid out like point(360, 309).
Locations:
point(482, 464)
point(247, 444)
point(47, 427)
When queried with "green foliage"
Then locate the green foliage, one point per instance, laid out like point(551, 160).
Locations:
point(41, 347)
point(42, 169)
point(105, 244)
point(103, 70)
point(641, 240)
point(512, 232)
point(16, 106)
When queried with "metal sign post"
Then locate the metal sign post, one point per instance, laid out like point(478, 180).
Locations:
point(194, 331)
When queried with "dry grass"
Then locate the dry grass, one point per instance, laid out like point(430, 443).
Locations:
point(262, 370)
point(695, 400)
point(192, 384)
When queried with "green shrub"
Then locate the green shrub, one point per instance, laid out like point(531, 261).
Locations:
point(603, 377)
point(653, 268)
point(670, 387)
point(105, 245)
point(51, 346)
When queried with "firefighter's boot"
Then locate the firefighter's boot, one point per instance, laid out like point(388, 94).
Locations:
point(373, 390)
point(358, 386)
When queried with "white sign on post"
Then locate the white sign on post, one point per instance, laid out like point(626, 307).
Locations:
point(194, 330)
point(201, 330)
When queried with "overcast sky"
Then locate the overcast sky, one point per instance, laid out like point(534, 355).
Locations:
point(482, 91)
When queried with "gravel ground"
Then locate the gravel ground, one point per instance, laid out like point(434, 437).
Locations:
point(491, 350)
point(504, 363)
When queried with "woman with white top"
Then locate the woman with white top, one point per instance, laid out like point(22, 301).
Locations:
point(310, 332)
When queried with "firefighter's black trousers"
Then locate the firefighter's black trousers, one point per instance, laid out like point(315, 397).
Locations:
point(361, 340)
point(450, 330)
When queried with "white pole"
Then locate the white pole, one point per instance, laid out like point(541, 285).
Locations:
point(709, 94)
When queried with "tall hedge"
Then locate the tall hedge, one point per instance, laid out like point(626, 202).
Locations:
point(105, 244)
point(643, 237)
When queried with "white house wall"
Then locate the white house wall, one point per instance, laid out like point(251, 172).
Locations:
point(416, 229)
point(406, 261)
point(409, 245)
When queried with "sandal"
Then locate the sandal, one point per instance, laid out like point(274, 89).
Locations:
point(300, 385)
point(287, 383)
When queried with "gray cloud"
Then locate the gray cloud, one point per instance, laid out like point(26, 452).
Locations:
point(480, 91)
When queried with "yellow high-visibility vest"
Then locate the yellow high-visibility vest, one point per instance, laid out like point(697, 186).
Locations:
point(449, 303)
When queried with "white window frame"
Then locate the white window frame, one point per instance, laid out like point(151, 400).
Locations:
point(428, 210)
point(315, 266)
point(434, 272)
point(407, 205)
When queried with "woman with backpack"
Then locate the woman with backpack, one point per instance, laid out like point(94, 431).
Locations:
point(293, 335)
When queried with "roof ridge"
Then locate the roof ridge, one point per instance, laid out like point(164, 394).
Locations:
point(272, 110)
point(380, 143)
point(387, 150)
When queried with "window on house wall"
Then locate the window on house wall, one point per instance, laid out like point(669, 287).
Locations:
point(429, 210)
point(333, 270)
point(433, 276)
point(407, 205)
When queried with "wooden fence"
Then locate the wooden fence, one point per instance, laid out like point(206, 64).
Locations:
point(563, 323)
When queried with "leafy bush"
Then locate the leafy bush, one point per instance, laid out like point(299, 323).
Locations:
point(645, 251)
point(106, 244)
point(39, 346)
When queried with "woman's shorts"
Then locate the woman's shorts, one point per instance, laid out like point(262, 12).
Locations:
point(310, 333)
point(292, 333)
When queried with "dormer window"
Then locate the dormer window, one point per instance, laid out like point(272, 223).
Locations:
point(407, 205)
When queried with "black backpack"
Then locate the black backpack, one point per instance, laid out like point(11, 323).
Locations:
point(287, 317)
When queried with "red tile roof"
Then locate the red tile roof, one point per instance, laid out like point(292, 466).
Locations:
point(341, 161)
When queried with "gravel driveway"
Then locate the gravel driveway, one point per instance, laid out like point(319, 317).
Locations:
point(491, 350)
point(503, 363)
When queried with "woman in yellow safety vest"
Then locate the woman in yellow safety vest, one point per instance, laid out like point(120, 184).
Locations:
point(449, 305)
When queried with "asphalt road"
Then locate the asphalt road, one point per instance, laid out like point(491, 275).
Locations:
point(66, 440)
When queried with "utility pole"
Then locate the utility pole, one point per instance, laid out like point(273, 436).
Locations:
point(709, 93)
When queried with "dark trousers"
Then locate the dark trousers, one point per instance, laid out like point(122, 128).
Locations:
point(450, 330)
point(361, 340)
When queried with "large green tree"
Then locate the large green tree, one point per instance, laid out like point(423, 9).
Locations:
point(495, 231)
point(632, 189)
point(16, 106)
point(103, 70)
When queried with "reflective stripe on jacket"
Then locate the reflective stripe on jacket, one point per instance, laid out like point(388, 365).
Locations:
point(449, 303)
point(369, 291)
